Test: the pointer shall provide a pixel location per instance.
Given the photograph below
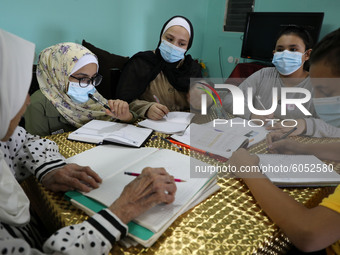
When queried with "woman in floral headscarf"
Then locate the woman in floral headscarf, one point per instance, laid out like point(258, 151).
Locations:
point(67, 73)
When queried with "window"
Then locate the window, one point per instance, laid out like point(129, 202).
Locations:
point(236, 14)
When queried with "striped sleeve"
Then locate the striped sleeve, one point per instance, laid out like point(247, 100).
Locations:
point(47, 167)
point(109, 225)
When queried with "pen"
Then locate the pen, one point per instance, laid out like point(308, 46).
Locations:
point(264, 108)
point(157, 100)
point(137, 174)
point(99, 102)
point(171, 143)
point(288, 133)
point(258, 99)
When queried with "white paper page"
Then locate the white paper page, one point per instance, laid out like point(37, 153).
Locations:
point(111, 161)
point(107, 160)
point(211, 140)
point(177, 165)
point(254, 134)
point(130, 135)
point(210, 189)
point(96, 131)
point(297, 169)
point(175, 122)
point(179, 117)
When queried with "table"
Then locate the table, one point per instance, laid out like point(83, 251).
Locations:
point(228, 222)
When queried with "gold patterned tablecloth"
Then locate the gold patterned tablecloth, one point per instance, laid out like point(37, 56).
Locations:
point(228, 222)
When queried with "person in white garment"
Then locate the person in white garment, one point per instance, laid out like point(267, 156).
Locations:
point(21, 153)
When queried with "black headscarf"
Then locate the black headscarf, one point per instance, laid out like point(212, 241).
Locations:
point(144, 67)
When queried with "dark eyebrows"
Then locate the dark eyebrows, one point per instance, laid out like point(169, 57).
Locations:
point(168, 34)
point(84, 75)
point(289, 46)
point(172, 36)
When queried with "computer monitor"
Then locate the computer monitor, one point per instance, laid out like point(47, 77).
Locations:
point(262, 29)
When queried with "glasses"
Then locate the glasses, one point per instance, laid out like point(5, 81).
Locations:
point(85, 81)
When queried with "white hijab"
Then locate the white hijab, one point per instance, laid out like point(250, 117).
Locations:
point(16, 60)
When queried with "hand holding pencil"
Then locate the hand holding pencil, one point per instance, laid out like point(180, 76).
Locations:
point(157, 110)
point(277, 142)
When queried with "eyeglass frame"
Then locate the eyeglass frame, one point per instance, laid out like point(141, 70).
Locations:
point(90, 79)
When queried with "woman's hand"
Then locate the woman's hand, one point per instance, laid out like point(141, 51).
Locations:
point(71, 177)
point(284, 146)
point(242, 162)
point(119, 110)
point(152, 187)
point(157, 111)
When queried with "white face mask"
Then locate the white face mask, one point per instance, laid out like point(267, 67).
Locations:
point(171, 53)
point(328, 109)
point(78, 94)
point(287, 62)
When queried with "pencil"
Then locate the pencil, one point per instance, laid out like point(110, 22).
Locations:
point(157, 100)
point(288, 133)
point(137, 174)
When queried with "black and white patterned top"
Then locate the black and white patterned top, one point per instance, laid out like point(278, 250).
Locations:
point(95, 236)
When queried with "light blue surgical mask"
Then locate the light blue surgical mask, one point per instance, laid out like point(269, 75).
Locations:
point(170, 52)
point(78, 94)
point(328, 109)
point(287, 62)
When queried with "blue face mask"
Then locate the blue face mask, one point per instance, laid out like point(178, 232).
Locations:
point(170, 52)
point(287, 62)
point(328, 109)
point(78, 94)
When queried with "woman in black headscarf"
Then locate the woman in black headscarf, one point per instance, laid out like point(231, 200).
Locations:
point(156, 82)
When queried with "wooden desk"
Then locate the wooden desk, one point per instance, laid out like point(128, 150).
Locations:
point(229, 222)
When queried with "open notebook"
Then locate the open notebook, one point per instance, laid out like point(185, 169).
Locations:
point(297, 170)
point(99, 131)
point(174, 122)
point(223, 139)
point(110, 162)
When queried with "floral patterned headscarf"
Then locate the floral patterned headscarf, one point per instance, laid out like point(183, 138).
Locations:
point(54, 68)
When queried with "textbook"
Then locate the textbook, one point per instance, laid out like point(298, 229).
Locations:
point(297, 170)
point(100, 131)
point(172, 123)
point(111, 161)
point(223, 139)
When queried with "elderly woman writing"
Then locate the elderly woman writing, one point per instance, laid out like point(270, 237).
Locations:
point(21, 153)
